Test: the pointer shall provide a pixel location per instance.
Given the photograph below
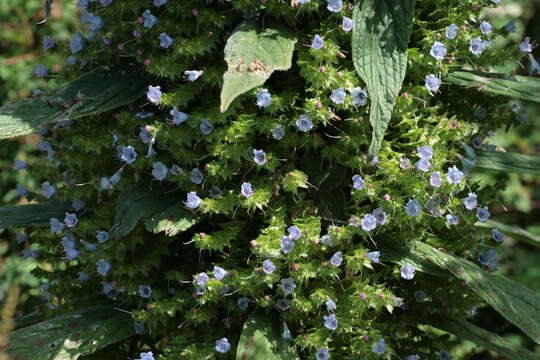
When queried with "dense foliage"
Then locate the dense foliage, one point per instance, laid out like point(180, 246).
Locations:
point(233, 191)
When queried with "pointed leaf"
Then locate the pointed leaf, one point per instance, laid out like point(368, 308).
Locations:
point(379, 45)
point(519, 87)
point(512, 300)
point(504, 347)
point(401, 255)
point(100, 90)
point(512, 231)
point(252, 56)
point(261, 340)
point(508, 162)
point(69, 336)
point(137, 201)
point(32, 214)
point(172, 220)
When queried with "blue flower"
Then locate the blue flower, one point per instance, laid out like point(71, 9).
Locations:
point(452, 219)
point(277, 132)
point(451, 31)
point(196, 176)
point(327, 239)
point(435, 179)
point(287, 245)
point(526, 46)
point(48, 43)
point(488, 258)
point(144, 115)
point(20, 165)
point(445, 355)
point(78, 205)
point(423, 165)
point(220, 273)
point(89, 246)
point(432, 83)
point(178, 117)
point(193, 74)
point(139, 327)
point(413, 208)
point(485, 27)
point(317, 42)
point(497, 235)
point(206, 127)
point(482, 214)
point(477, 45)
point(358, 182)
point(334, 5)
point(27, 253)
point(165, 40)
point(159, 171)
point(368, 222)
point(70, 220)
point(145, 291)
point(347, 24)
point(246, 189)
point(425, 152)
point(407, 271)
point(158, 3)
point(222, 345)
point(83, 276)
point(193, 201)
point(105, 184)
point(259, 156)
point(380, 215)
point(145, 135)
point(176, 170)
point(21, 238)
point(264, 98)
point(70, 247)
point(149, 19)
point(56, 225)
point(22, 191)
point(322, 354)
point(268, 267)
point(438, 51)
point(379, 347)
point(243, 303)
point(304, 123)
point(127, 154)
point(76, 43)
point(294, 232)
point(103, 267)
point(330, 305)
point(147, 356)
point(154, 93)
point(359, 96)
point(41, 71)
point(454, 176)
point(202, 279)
point(338, 96)
point(330, 322)
point(470, 201)
point(105, 2)
point(336, 259)
point(373, 256)
point(287, 285)
point(510, 26)
point(102, 236)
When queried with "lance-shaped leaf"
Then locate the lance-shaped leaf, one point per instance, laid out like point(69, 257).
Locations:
point(504, 347)
point(100, 90)
point(508, 162)
point(32, 214)
point(401, 255)
point(379, 45)
point(519, 87)
point(261, 340)
point(138, 201)
point(512, 300)
point(69, 336)
point(252, 56)
point(172, 220)
point(512, 231)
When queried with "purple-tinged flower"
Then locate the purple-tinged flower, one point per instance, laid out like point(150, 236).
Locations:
point(485, 27)
point(158, 3)
point(510, 26)
point(83, 276)
point(498, 236)
point(48, 43)
point(304, 123)
point(317, 42)
point(374, 256)
point(196, 176)
point(452, 219)
point(379, 215)
point(405, 163)
point(103, 267)
point(287, 244)
point(413, 208)
point(435, 179)
point(423, 165)
point(193, 74)
point(22, 191)
point(477, 45)
point(193, 201)
point(41, 71)
point(178, 117)
point(264, 98)
point(70, 220)
point(159, 171)
point(259, 156)
point(322, 354)
point(369, 222)
point(165, 40)
point(145, 291)
point(176, 170)
point(451, 31)
point(347, 24)
point(327, 239)
point(336, 259)
point(205, 127)
point(220, 273)
point(330, 322)
point(268, 267)
point(139, 327)
point(277, 132)
point(154, 93)
point(20, 165)
point(202, 279)
point(145, 135)
point(105, 2)
point(246, 190)
point(338, 96)
point(438, 51)
point(334, 5)
point(360, 97)
point(482, 214)
point(147, 356)
point(48, 189)
point(149, 19)
point(358, 182)
point(102, 236)
point(379, 347)
point(222, 345)
point(127, 154)
point(330, 305)
point(454, 176)
point(470, 201)
point(287, 285)
point(407, 271)
point(294, 232)
point(76, 43)
point(526, 46)
point(425, 152)
point(432, 83)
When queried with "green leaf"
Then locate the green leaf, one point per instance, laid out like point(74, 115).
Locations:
point(512, 300)
point(379, 45)
point(504, 347)
point(172, 220)
point(93, 93)
point(508, 162)
point(137, 201)
point(262, 340)
point(519, 87)
point(32, 214)
point(512, 231)
point(252, 56)
point(401, 255)
point(69, 336)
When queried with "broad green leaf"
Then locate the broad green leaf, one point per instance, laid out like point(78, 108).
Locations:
point(379, 46)
point(100, 90)
point(32, 214)
point(512, 231)
point(261, 340)
point(402, 255)
point(519, 87)
point(512, 300)
point(69, 336)
point(252, 55)
point(504, 347)
point(172, 220)
point(137, 201)
point(508, 162)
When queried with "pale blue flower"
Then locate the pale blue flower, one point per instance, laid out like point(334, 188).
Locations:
point(286, 332)
point(220, 273)
point(48, 189)
point(358, 182)
point(41, 71)
point(147, 356)
point(22, 191)
point(438, 51)
point(178, 116)
point(149, 19)
point(330, 305)
point(287, 285)
point(70, 247)
point(498, 236)
point(105, 2)
point(48, 43)
point(452, 219)
point(322, 354)
point(302, 2)
point(176, 170)
point(206, 127)
point(360, 97)
point(202, 279)
point(425, 152)
point(83, 276)
point(485, 27)
point(432, 83)
point(379, 347)
point(193, 74)
point(159, 171)
point(526, 46)
point(127, 154)
point(347, 24)
point(139, 327)
point(451, 31)
point(165, 40)
point(102, 236)
point(277, 132)
point(317, 42)
point(477, 45)
point(243, 303)
point(193, 201)
point(287, 244)
point(368, 222)
point(268, 267)
point(222, 345)
point(27, 253)
point(413, 208)
point(294, 232)
point(196, 176)
point(482, 214)
point(145, 291)
point(374, 256)
point(435, 179)
point(510, 26)
point(144, 115)
point(76, 43)
point(304, 123)
point(103, 267)
point(454, 176)
point(264, 98)
point(338, 96)
point(470, 201)
point(70, 220)
point(21, 238)
point(246, 189)
point(259, 156)
point(330, 322)
point(154, 93)
point(145, 135)
point(336, 259)
point(158, 3)
point(334, 5)
point(423, 165)
point(20, 165)
point(327, 239)
point(407, 271)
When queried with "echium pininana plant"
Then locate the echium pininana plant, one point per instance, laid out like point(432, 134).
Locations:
point(272, 179)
